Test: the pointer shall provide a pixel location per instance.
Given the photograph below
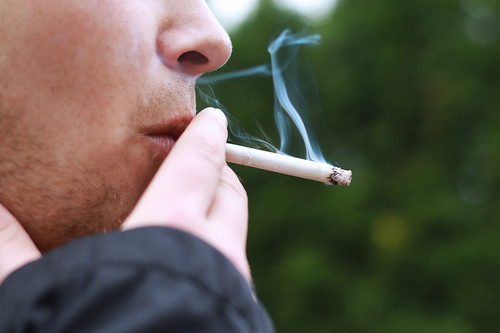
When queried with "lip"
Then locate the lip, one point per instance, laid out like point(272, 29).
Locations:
point(163, 143)
point(163, 135)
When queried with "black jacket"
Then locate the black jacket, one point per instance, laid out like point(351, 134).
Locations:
point(143, 280)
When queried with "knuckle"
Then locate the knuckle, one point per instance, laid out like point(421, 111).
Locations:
point(233, 184)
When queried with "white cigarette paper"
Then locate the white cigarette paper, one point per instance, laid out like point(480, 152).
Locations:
point(287, 165)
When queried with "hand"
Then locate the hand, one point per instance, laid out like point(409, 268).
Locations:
point(195, 191)
point(16, 247)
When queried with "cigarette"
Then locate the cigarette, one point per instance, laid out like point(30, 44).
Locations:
point(288, 165)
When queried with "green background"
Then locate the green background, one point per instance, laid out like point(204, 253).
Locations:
point(410, 95)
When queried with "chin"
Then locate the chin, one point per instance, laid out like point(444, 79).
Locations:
point(48, 235)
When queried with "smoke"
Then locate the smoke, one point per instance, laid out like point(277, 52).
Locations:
point(295, 96)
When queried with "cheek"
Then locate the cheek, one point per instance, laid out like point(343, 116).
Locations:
point(81, 73)
point(92, 58)
point(75, 83)
point(80, 76)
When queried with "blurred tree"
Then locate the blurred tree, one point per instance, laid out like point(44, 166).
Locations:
point(411, 95)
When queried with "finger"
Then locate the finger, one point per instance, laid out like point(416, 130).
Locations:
point(229, 209)
point(188, 179)
point(228, 221)
point(16, 247)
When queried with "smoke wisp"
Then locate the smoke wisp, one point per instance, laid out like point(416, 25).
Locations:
point(295, 96)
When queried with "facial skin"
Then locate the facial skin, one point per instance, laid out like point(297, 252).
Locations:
point(93, 94)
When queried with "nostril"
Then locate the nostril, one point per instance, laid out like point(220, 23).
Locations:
point(192, 58)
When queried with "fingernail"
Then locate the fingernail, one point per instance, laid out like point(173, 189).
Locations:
point(219, 114)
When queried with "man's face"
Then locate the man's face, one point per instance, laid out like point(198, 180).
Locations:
point(93, 93)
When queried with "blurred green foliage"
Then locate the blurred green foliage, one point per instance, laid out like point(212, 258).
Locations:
point(411, 98)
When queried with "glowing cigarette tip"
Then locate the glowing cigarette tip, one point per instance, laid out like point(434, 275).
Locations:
point(288, 165)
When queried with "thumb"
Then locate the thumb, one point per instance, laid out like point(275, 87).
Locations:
point(16, 247)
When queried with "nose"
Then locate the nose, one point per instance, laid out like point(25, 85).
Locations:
point(192, 40)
